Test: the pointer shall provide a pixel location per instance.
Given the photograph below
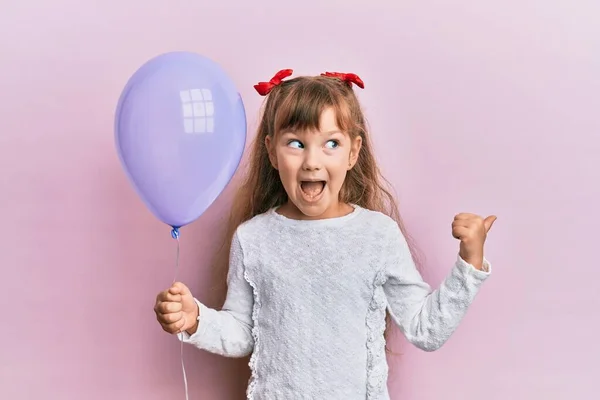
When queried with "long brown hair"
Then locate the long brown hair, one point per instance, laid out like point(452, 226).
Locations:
point(298, 104)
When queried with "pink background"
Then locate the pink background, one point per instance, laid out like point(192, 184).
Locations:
point(486, 107)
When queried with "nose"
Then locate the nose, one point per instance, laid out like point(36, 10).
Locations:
point(312, 161)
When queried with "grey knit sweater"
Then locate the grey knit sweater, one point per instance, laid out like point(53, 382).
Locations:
point(308, 300)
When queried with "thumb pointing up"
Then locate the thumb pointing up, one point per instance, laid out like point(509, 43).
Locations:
point(488, 222)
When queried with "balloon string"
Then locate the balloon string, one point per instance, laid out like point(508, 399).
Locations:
point(175, 235)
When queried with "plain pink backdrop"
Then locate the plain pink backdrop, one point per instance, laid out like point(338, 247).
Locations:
point(485, 107)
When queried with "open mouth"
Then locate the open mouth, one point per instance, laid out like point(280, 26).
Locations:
point(312, 189)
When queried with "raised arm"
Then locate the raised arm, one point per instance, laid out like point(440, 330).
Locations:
point(427, 317)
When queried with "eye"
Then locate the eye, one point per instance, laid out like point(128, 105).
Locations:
point(332, 144)
point(296, 144)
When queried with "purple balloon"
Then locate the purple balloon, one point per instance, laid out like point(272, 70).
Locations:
point(180, 132)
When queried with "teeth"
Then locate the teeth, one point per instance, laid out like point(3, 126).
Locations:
point(312, 189)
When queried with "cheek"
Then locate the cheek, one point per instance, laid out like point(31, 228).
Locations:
point(339, 162)
point(288, 165)
point(285, 160)
point(338, 177)
point(337, 172)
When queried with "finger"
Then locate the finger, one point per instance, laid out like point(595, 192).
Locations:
point(169, 297)
point(166, 295)
point(175, 288)
point(463, 216)
point(462, 224)
point(172, 303)
point(461, 232)
point(488, 222)
point(174, 327)
point(178, 288)
point(170, 318)
point(169, 307)
point(160, 296)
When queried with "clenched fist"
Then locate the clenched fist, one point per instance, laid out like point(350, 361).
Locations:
point(472, 231)
point(176, 310)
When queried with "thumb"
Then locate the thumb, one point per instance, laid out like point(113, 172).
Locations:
point(488, 222)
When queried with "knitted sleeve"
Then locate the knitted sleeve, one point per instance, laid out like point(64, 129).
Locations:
point(427, 317)
point(228, 332)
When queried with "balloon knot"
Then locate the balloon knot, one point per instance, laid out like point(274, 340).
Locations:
point(175, 232)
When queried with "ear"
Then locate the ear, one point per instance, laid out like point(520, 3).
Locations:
point(354, 151)
point(270, 149)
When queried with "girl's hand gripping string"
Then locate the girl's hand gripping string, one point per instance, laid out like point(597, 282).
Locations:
point(176, 310)
point(472, 231)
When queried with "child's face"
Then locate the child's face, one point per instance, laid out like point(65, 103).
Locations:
point(313, 165)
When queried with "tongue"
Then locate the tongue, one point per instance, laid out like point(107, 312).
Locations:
point(312, 188)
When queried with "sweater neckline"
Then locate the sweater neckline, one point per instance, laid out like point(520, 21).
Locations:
point(326, 222)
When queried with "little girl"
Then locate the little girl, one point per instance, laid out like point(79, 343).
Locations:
point(318, 257)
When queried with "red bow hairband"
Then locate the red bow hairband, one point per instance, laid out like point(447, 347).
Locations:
point(348, 78)
point(264, 88)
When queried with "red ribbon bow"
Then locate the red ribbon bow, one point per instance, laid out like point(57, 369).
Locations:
point(350, 78)
point(263, 88)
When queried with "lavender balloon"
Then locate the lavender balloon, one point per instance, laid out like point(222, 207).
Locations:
point(180, 131)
